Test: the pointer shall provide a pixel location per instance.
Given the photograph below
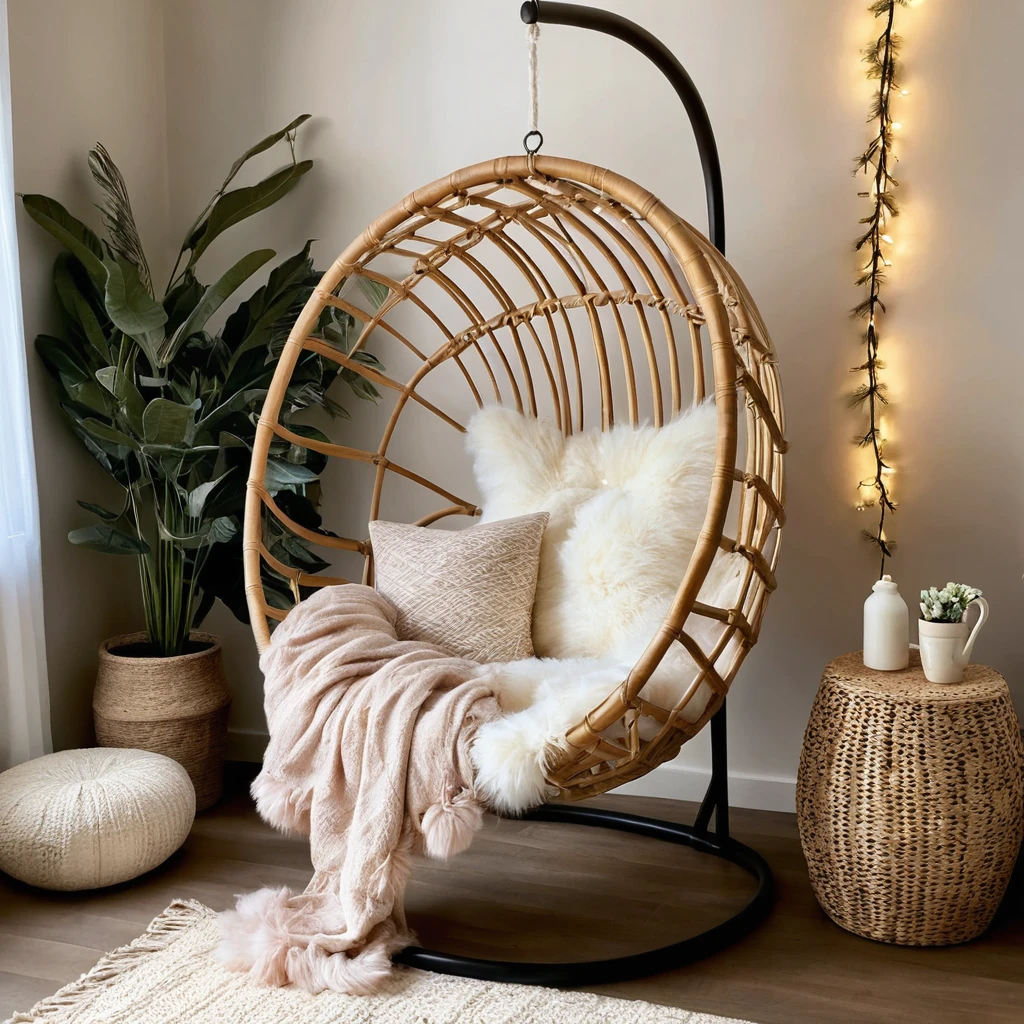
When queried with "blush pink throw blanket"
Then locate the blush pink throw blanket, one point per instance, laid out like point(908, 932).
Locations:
point(369, 757)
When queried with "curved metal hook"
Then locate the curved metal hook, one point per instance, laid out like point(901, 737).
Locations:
point(545, 13)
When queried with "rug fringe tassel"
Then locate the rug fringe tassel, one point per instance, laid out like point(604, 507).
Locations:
point(162, 931)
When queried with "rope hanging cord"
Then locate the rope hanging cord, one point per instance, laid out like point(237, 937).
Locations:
point(532, 140)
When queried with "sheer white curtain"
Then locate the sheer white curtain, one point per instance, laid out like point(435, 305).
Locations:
point(24, 698)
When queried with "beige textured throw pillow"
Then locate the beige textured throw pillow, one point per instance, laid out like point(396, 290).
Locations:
point(469, 591)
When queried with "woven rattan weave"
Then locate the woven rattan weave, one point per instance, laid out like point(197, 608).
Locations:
point(910, 801)
point(566, 291)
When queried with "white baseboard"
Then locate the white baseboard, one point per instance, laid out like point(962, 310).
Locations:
point(672, 781)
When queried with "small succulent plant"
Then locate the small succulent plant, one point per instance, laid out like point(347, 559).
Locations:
point(948, 604)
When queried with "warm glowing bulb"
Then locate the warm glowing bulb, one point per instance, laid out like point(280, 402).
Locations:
point(887, 239)
point(904, 92)
point(887, 263)
point(897, 125)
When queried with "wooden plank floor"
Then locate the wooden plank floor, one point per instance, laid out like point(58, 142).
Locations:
point(540, 891)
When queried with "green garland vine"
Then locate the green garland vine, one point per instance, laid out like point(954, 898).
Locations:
point(881, 57)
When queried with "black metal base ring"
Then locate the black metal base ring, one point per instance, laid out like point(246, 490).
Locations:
point(622, 968)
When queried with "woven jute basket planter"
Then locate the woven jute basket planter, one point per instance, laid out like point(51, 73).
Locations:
point(175, 706)
point(910, 801)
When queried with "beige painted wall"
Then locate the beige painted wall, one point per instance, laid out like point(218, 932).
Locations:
point(80, 73)
point(404, 91)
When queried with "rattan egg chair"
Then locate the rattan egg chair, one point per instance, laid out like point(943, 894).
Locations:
point(566, 291)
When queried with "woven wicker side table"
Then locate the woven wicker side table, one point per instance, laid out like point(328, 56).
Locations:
point(910, 801)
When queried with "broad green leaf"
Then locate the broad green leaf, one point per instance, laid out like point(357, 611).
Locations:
point(221, 577)
point(288, 284)
point(301, 510)
point(222, 529)
point(184, 391)
point(263, 145)
point(339, 328)
point(281, 473)
point(295, 552)
point(367, 359)
point(127, 394)
point(132, 309)
point(78, 307)
point(180, 450)
point(252, 325)
point(78, 239)
point(362, 387)
point(167, 423)
point(63, 359)
point(181, 300)
point(300, 455)
point(212, 299)
point(277, 591)
point(196, 500)
point(95, 450)
point(305, 430)
point(105, 432)
point(107, 376)
point(103, 537)
point(236, 403)
point(228, 440)
point(240, 203)
point(89, 394)
point(103, 513)
point(374, 291)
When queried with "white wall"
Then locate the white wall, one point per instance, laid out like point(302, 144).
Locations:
point(405, 91)
point(80, 73)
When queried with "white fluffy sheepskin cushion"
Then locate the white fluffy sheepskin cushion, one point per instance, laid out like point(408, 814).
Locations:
point(82, 819)
point(626, 507)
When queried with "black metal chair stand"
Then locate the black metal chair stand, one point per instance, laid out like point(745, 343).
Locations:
point(717, 842)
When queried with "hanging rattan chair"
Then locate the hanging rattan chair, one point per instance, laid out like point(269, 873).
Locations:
point(532, 280)
point(569, 292)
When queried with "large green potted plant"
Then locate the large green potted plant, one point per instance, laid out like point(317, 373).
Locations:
point(167, 405)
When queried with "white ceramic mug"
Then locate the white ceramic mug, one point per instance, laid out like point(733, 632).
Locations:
point(946, 646)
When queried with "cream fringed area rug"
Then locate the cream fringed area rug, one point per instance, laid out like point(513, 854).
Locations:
point(169, 975)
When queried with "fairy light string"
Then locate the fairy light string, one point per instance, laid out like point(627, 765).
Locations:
point(881, 56)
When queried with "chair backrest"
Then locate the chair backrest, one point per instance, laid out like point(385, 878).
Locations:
point(567, 291)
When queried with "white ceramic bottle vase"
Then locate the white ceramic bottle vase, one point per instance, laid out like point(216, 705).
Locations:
point(886, 628)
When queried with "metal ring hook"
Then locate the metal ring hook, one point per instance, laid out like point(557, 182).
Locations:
point(534, 148)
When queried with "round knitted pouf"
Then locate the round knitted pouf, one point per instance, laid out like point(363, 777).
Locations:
point(910, 801)
point(82, 819)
